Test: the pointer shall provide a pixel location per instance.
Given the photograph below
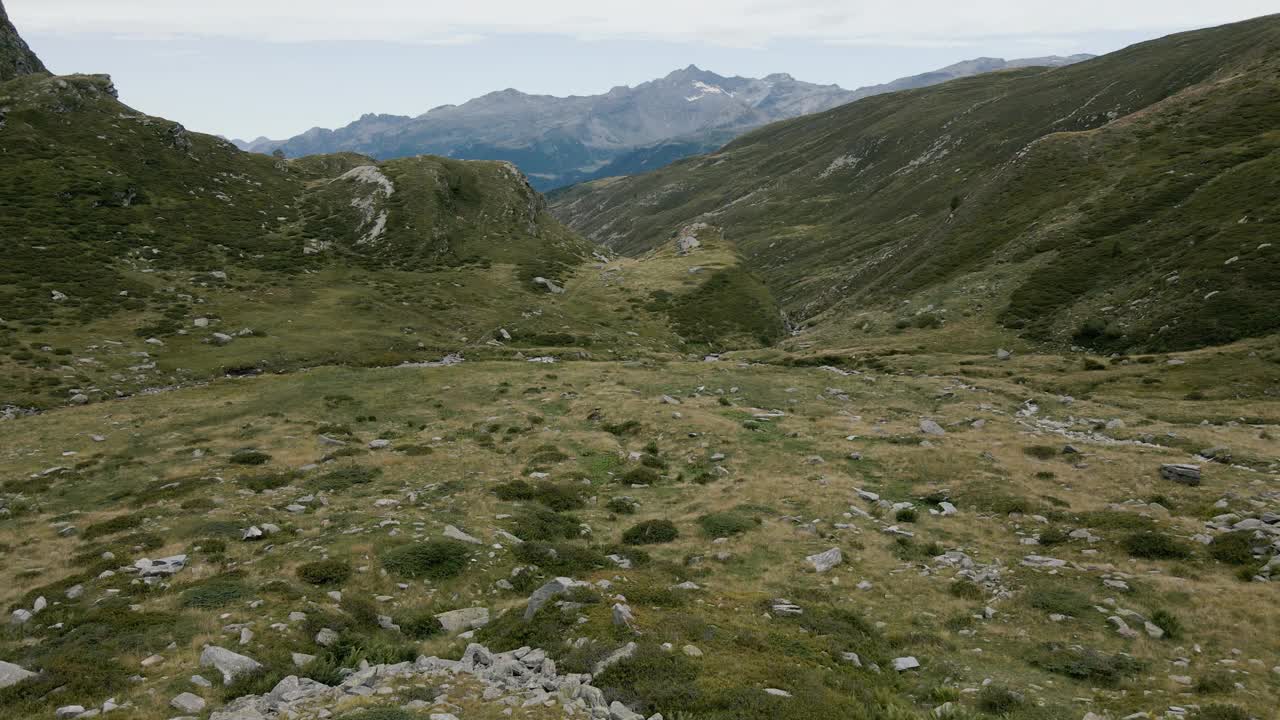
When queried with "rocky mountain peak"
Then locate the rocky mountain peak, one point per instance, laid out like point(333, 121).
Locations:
point(16, 58)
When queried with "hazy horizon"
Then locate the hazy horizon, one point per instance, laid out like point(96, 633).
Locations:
point(278, 73)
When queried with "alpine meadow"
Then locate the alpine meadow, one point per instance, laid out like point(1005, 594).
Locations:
point(954, 397)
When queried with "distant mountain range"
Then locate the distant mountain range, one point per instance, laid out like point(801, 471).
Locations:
point(561, 141)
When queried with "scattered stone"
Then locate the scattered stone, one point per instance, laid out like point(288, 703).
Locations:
point(188, 703)
point(930, 427)
point(326, 637)
point(68, 711)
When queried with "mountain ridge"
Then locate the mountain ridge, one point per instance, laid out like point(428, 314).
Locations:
point(561, 140)
point(897, 197)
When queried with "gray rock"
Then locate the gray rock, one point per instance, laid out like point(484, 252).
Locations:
point(1041, 561)
point(622, 615)
point(1183, 474)
point(162, 566)
point(930, 427)
point(326, 637)
point(544, 594)
point(189, 703)
point(456, 534)
point(11, 674)
point(824, 561)
point(230, 664)
point(68, 711)
point(302, 659)
point(220, 338)
point(904, 664)
point(617, 656)
point(550, 286)
point(1003, 354)
point(20, 617)
point(379, 444)
point(465, 619)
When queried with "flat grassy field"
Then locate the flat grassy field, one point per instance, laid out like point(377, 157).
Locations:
point(757, 461)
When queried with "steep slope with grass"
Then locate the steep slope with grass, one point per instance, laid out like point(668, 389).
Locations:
point(1130, 201)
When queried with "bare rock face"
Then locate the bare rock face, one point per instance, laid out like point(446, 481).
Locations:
point(16, 58)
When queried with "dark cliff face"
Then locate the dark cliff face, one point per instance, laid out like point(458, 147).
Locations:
point(16, 59)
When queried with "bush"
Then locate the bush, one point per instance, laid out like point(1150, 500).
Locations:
point(966, 590)
point(641, 475)
point(1214, 682)
point(1085, 664)
point(419, 624)
point(622, 506)
point(346, 477)
point(215, 593)
point(1218, 711)
point(514, 490)
point(1168, 622)
point(266, 481)
point(908, 515)
point(1233, 548)
point(650, 532)
point(117, 524)
point(998, 700)
point(1040, 452)
point(1053, 536)
point(1155, 545)
point(537, 523)
point(1060, 600)
point(324, 572)
point(561, 558)
point(249, 456)
point(651, 680)
point(726, 524)
point(434, 559)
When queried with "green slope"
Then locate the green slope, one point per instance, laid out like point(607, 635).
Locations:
point(1113, 194)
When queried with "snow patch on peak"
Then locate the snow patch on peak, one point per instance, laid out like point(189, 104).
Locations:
point(703, 90)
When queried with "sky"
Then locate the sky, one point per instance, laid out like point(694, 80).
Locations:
point(246, 68)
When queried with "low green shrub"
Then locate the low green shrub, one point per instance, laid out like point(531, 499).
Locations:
point(1155, 545)
point(434, 559)
point(650, 532)
point(726, 524)
point(324, 572)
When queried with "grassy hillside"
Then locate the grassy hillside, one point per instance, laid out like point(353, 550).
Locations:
point(137, 255)
point(1127, 202)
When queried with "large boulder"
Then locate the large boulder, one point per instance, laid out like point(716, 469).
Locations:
point(464, 619)
point(11, 674)
point(230, 664)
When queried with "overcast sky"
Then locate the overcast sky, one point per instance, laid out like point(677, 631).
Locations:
point(245, 68)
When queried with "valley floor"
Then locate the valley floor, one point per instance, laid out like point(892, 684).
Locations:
point(1004, 523)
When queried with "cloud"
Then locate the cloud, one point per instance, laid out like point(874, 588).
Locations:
point(725, 22)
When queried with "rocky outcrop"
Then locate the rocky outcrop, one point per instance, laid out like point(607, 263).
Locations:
point(16, 58)
point(523, 677)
